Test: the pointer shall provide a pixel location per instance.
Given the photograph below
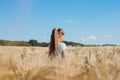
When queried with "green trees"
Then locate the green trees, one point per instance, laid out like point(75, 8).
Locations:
point(33, 42)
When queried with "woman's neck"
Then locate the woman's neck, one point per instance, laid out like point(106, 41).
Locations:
point(59, 41)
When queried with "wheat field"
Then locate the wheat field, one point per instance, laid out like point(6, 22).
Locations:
point(80, 63)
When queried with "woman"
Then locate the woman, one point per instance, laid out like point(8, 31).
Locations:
point(57, 47)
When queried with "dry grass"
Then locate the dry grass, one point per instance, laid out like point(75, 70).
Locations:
point(81, 63)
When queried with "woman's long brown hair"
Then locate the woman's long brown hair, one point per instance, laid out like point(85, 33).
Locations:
point(53, 47)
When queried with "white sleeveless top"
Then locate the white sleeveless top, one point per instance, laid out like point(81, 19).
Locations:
point(61, 48)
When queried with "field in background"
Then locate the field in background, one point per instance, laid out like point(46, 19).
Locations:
point(81, 63)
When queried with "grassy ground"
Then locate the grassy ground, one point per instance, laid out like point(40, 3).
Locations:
point(80, 63)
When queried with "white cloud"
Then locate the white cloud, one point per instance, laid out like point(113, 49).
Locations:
point(92, 37)
point(107, 36)
point(71, 21)
point(45, 37)
point(83, 39)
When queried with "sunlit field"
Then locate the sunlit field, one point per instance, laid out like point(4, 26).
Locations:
point(80, 63)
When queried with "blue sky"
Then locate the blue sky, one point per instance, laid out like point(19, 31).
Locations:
point(84, 21)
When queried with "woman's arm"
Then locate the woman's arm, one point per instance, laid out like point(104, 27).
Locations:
point(64, 50)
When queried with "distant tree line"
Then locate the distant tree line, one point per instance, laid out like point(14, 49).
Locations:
point(31, 42)
point(69, 43)
point(34, 42)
